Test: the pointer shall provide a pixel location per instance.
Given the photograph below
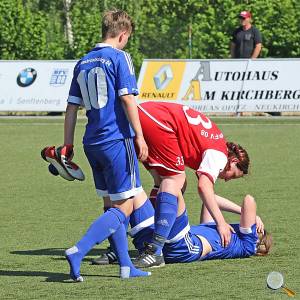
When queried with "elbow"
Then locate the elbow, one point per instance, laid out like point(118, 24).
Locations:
point(200, 189)
point(204, 184)
point(201, 185)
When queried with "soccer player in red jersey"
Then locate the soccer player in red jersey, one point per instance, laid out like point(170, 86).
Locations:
point(178, 136)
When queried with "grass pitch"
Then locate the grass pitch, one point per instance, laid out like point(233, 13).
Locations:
point(41, 215)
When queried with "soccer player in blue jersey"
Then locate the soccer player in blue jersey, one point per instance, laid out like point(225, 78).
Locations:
point(203, 242)
point(104, 83)
point(187, 243)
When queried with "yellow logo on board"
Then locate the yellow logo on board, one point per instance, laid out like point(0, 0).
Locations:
point(162, 80)
point(193, 92)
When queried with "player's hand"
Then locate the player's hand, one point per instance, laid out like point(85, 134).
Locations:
point(260, 227)
point(68, 151)
point(225, 231)
point(141, 147)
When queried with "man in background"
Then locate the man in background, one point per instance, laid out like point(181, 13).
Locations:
point(246, 40)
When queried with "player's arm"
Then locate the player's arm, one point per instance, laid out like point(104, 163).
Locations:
point(229, 206)
point(74, 101)
point(127, 89)
point(70, 123)
point(213, 162)
point(224, 205)
point(131, 111)
point(206, 192)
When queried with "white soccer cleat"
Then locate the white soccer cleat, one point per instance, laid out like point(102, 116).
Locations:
point(72, 169)
point(49, 155)
point(60, 160)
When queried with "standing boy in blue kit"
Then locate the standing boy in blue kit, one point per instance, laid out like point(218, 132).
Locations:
point(104, 83)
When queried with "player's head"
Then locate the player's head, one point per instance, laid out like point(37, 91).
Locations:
point(245, 17)
point(264, 243)
point(117, 24)
point(238, 162)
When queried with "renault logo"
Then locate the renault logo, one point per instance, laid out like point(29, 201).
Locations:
point(163, 77)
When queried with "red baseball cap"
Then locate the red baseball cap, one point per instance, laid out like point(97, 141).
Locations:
point(245, 14)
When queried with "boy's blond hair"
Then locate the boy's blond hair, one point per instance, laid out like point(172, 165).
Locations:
point(114, 22)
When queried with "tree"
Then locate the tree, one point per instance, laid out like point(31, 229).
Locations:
point(22, 34)
point(43, 29)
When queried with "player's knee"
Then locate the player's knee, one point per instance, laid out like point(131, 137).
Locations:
point(179, 181)
point(249, 200)
point(126, 206)
point(139, 199)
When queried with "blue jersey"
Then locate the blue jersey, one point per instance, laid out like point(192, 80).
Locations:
point(242, 243)
point(99, 79)
point(182, 245)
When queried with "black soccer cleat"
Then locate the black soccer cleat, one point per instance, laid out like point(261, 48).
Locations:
point(106, 258)
point(148, 258)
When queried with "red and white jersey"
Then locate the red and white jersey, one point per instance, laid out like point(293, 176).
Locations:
point(168, 126)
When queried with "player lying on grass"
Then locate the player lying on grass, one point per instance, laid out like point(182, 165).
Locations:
point(187, 243)
point(177, 137)
point(203, 242)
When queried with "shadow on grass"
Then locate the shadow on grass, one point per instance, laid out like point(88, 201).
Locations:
point(60, 252)
point(50, 276)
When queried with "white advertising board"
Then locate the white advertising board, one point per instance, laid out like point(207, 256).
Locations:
point(223, 85)
point(35, 85)
point(227, 85)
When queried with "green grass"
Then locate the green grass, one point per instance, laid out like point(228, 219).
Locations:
point(41, 215)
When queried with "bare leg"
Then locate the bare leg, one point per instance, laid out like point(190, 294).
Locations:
point(248, 215)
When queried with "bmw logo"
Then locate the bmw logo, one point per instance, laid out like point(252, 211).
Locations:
point(26, 77)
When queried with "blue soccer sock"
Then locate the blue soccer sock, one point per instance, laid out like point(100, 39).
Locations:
point(128, 272)
point(144, 212)
point(142, 225)
point(110, 223)
point(111, 240)
point(165, 216)
point(125, 223)
point(120, 244)
point(103, 227)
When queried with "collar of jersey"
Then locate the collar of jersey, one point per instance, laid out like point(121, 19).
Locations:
point(102, 45)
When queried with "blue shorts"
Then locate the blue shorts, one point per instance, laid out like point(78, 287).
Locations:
point(115, 169)
point(186, 249)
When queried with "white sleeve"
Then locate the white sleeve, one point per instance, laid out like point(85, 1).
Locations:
point(213, 162)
